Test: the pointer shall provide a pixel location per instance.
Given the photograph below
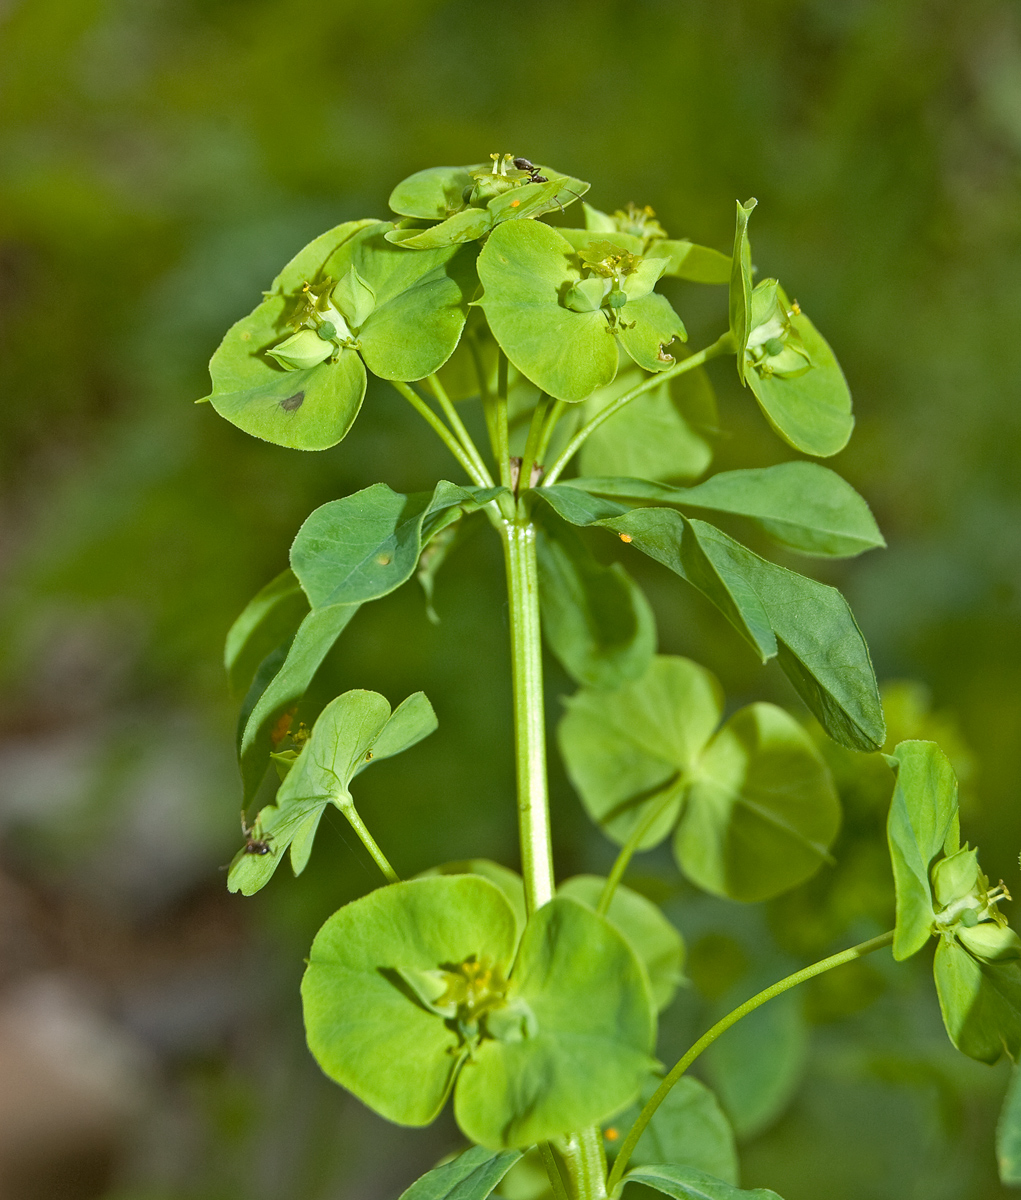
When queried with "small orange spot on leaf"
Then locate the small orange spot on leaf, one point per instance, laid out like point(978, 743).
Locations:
point(625, 537)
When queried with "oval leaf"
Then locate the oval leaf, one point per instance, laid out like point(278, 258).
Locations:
point(432, 194)
point(470, 1176)
point(687, 1183)
point(980, 1002)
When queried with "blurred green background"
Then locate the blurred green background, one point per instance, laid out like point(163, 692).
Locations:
point(158, 162)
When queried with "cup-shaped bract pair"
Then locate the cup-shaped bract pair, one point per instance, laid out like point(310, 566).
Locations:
point(422, 988)
point(782, 357)
point(752, 803)
point(557, 334)
point(942, 892)
point(636, 227)
point(293, 371)
point(446, 206)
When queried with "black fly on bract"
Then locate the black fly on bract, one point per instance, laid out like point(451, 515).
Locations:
point(523, 164)
point(253, 844)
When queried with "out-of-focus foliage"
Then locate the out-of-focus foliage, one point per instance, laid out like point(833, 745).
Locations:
point(158, 162)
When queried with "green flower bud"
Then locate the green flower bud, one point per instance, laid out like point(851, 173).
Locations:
point(327, 331)
point(773, 347)
point(587, 294)
point(512, 1022)
point(301, 350)
point(955, 877)
point(616, 298)
point(991, 941)
point(355, 297)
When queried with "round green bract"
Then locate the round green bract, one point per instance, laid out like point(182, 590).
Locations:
point(364, 1027)
point(594, 1033)
point(526, 268)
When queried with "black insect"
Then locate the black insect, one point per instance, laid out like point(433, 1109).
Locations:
point(254, 845)
point(523, 164)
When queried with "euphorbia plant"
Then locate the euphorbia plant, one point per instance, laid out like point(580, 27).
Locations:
point(532, 1003)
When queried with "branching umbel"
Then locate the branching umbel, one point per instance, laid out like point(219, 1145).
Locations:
point(533, 1001)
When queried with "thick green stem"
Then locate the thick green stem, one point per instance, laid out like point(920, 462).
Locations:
point(369, 842)
point(586, 1161)
point(722, 345)
point(529, 712)
point(630, 846)
point(448, 439)
point(707, 1039)
point(460, 432)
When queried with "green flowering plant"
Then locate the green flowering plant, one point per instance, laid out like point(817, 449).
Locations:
point(529, 1002)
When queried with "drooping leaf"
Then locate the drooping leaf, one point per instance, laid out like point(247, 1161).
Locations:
point(595, 619)
point(589, 1048)
point(923, 823)
point(525, 267)
point(687, 1183)
point(807, 625)
point(799, 504)
point(741, 285)
point(367, 544)
point(689, 1129)
point(761, 811)
point(470, 1176)
point(980, 1002)
point(662, 434)
point(658, 945)
point(270, 617)
point(1008, 1133)
point(629, 750)
point(279, 688)
point(365, 1026)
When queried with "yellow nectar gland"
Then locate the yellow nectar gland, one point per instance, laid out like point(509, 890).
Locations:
point(611, 1134)
point(625, 537)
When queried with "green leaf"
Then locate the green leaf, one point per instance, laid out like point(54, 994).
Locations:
point(470, 1176)
point(687, 1183)
point(761, 812)
point(367, 544)
point(593, 1032)
point(811, 412)
point(629, 750)
point(525, 268)
point(581, 239)
point(923, 823)
point(648, 326)
point(352, 732)
point(801, 505)
point(700, 264)
point(281, 682)
point(980, 1002)
point(509, 882)
point(432, 194)
point(1008, 1133)
point(657, 944)
point(465, 226)
point(421, 301)
point(807, 625)
point(741, 286)
point(595, 619)
point(365, 1027)
point(534, 199)
point(659, 435)
point(269, 618)
point(689, 1129)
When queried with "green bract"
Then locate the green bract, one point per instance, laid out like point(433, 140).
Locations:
point(561, 337)
point(418, 981)
point(754, 805)
point(293, 371)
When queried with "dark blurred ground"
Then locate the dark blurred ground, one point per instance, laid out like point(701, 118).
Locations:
point(158, 162)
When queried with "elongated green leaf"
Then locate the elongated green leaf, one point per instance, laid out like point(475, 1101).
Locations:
point(689, 1129)
point(270, 617)
point(470, 1176)
point(364, 546)
point(596, 619)
point(980, 1002)
point(587, 1048)
point(525, 267)
point(799, 504)
point(367, 1029)
point(688, 260)
point(922, 824)
point(662, 434)
point(276, 690)
point(1008, 1133)
point(658, 945)
point(632, 749)
point(687, 1183)
point(811, 412)
point(741, 285)
point(761, 812)
point(465, 226)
